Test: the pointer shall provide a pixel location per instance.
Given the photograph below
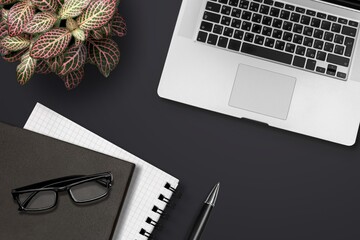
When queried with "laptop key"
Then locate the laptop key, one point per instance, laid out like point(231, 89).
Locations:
point(295, 17)
point(218, 29)
point(321, 56)
point(315, 22)
point(267, 31)
point(270, 42)
point(256, 28)
point(300, 50)
point(339, 49)
point(226, 10)
point(332, 18)
point(349, 43)
point(246, 15)
point(329, 47)
point(285, 14)
point(318, 33)
point(308, 42)
point(279, 4)
point(214, 7)
point(223, 41)
point(280, 45)
point(325, 25)
point(321, 15)
point(246, 26)
point(311, 53)
point(289, 7)
point(287, 36)
point(336, 27)
point(339, 39)
point(228, 32)
point(299, 61)
point(310, 64)
point(233, 3)
point(349, 31)
point(320, 69)
point(287, 25)
point(212, 17)
point(329, 36)
point(212, 39)
point(223, 1)
point(331, 70)
point(305, 20)
point(277, 33)
point(342, 20)
point(318, 44)
point(290, 48)
point(259, 40)
point(264, 9)
point(338, 60)
point(238, 34)
point(310, 12)
point(269, 2)
point(274, 12)
point(267, 20)
point(341, 75)
point(353, 23)
point(298, 39)
point(202, 36)
point(300, 10)
point(266, 53)
point(254, 7)
point(236, 23)
point(206, 26)
point(225, 20)
point(308, 31)
point(249, 37)
point(277, 23)
point(244, 4)
point(234, 45)
point(256, 18)
point(298, 28)
point(236, 13)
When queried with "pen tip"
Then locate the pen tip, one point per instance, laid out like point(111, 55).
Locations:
point(211, 199)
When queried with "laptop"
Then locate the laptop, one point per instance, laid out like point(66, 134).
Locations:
point(290, 64)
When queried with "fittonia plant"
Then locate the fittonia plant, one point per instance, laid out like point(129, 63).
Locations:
point(60, 36)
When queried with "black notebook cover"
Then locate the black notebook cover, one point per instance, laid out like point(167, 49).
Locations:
point(26, 158)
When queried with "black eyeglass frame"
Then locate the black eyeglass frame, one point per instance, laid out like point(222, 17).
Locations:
point(60, 185)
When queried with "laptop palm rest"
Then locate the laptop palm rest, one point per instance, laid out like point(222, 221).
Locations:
point(261, 91)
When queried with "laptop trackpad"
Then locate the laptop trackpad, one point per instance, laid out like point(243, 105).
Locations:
point(262, 91)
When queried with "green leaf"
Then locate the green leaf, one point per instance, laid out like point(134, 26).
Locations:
point(41, 22)
point(97, 14)
point(75, 58)
point(46, 5)
point(25, 69)
point(19, 15)
point(73, 8)
point(100, 33)
point(73, 79)
point(42, 67)
point(55, 63)
point(15, 43)
point(4, 14)
point(3, 29)
point(118, 25)
point(4, 51)
point(51, 43)
point(15, 56)
point(6, 2)
point(104, 53)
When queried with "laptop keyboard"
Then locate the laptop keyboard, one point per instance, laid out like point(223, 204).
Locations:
point(299, 37)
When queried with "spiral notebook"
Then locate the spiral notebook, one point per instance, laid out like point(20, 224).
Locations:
point(150, 190)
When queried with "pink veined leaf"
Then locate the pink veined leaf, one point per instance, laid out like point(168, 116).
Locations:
point(6, 2)
point(55, 63)
point(3, 51)
point(42, 67)
point(97, 14)
point(73, 8)
point(3, 29)
point(104, 53)
point(4, 14)
point(15, 43)
point(75, 58)
point(100, 33)
point(19, 15)
point(25, 69)
point(51, 43)
point(41, 22)
point(119, 25)
point(73, 79)
point(46, 5)
point(15, 56)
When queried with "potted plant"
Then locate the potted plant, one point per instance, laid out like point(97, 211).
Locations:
point(60, 36)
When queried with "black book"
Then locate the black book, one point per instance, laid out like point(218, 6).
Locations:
point(26, 158)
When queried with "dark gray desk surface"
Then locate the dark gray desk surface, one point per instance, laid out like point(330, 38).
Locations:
point(282, 185)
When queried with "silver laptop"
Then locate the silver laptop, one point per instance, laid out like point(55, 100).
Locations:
point(291, 64)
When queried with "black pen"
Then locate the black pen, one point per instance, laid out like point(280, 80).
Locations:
point(201, 220)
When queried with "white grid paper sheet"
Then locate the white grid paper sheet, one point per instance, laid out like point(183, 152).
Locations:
point(146, 185)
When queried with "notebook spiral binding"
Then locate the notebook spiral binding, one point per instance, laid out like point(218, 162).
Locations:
point(161, 212)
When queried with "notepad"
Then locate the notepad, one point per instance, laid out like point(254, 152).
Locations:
point(150, 187)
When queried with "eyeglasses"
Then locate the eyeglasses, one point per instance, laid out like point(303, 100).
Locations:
point(81, 188)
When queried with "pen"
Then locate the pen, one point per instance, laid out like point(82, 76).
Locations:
point(203, 217)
